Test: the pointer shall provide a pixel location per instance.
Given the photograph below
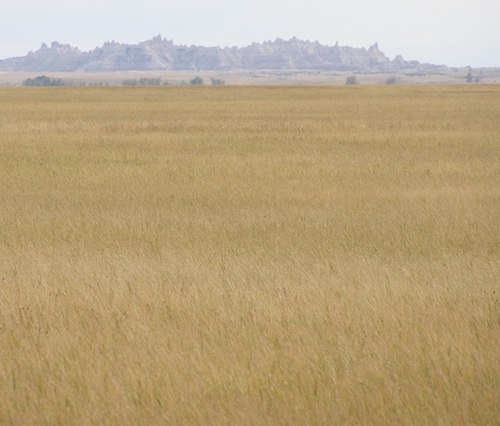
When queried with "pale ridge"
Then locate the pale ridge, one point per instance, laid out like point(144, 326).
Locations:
point(162, 54)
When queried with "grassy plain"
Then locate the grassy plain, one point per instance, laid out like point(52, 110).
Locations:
point(244, 255)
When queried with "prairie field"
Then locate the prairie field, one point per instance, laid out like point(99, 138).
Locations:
point(250, 256)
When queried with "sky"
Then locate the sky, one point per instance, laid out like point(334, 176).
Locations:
point(450, 32)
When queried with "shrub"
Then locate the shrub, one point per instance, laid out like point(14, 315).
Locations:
point(197, 81)
point(42, 81)
point(217, 82)
point(351, 79)
point(142, 82)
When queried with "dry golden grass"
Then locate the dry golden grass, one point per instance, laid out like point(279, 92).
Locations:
point(250, 256)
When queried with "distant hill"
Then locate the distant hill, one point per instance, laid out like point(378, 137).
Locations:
point(162, 54)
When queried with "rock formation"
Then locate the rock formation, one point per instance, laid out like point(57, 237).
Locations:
point(162, 54)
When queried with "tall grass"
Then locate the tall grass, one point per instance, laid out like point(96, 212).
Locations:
point(250, 255)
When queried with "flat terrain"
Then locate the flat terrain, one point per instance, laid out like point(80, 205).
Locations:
point(259, 77)
point(244, 255)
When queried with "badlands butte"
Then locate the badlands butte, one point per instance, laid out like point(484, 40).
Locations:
point(291, 61)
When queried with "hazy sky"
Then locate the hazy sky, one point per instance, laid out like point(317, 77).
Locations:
point(453, 32)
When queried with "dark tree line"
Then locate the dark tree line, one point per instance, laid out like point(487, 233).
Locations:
point(43, 81)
